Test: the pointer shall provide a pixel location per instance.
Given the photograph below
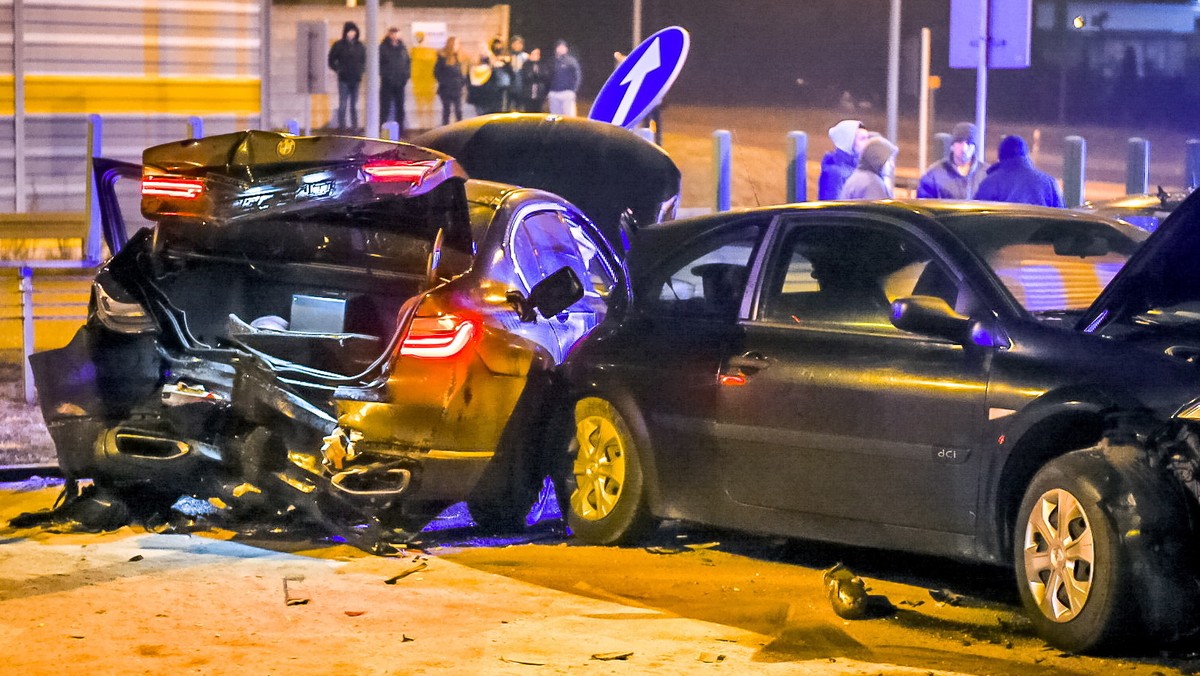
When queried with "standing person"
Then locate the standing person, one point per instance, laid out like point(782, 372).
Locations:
point(484, 84)
point(849, 138)
point(395, 68)
point(1014, 178)
point(867, 181)
point(517, 56)
point(565, 77)
point(449, 73)
point(348, 58)
point(424, 84)
point(534, 80)
point(956, 176)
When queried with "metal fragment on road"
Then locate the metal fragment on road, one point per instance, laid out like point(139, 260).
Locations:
point(292, 594)
point(406, 572)
point(608, 657)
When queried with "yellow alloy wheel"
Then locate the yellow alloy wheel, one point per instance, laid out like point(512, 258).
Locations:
point(599, 468)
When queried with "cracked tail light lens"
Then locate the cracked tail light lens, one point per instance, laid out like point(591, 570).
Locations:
point(399, 171)
point(438, 337)
point(121, 316)
point(172, 186)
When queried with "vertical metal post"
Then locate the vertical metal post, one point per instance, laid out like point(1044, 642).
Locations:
point(646, 133)
point(390, 131)
point(637, 23)
point(941, 146)
point(893, 74)
point(797, 175)
point(923, 102)
point(26, 289)
point(18, 41)
point(1137, 167)
point(723, 164)
point(372, 43)
point(93, 244)
point(1074, 170)
point(1192, 177)
point(195, 127)
point(293, 127)
point(981, 80)
point(264, 64)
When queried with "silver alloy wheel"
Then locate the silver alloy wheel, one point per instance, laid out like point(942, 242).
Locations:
point(599, 468)
point(1059, 555)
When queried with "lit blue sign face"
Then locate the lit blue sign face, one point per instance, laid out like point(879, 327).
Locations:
point(642, 79)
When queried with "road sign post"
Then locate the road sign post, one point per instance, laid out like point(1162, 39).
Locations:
point(988, 34)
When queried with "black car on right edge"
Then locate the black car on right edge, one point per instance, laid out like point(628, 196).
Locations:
point(985, 382)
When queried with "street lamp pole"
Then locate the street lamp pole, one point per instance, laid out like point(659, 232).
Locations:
point(637, 23)
point(893, 76)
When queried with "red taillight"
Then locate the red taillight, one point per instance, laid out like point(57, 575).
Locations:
point(398, 171)
point(731, 380)
point(438, 337)
point(172, 186)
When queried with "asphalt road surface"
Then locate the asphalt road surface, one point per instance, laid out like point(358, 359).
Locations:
point(691, 601)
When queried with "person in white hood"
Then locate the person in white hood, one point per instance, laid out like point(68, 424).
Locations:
point(849, 138)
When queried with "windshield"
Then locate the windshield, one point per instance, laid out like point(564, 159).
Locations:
point(1050, 266)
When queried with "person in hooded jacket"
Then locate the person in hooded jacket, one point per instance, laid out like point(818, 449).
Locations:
point(849, 137)
point(348, 58)
point(395, 67)
point(866, 182)
point(450, 73)
point(957, 175)
point(1014, 178)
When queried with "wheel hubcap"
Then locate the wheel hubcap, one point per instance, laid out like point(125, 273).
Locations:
point(1059, 555)
point(599, 468)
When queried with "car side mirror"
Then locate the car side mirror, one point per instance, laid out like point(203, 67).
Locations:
point(930, 316)
point(548, 297)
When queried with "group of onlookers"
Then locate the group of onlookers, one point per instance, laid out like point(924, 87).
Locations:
point(500, 79)
point(862, 166)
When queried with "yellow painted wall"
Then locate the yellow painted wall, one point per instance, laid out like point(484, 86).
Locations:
point(131, 94)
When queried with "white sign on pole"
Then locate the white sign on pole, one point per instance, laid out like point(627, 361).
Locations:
point(435, 33)
point(1010, 26)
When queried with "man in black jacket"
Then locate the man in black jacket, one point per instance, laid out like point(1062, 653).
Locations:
point(348, 58)
point(395, 67)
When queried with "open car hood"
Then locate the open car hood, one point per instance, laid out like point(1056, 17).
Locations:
point(603, 169)
point(1162, 275)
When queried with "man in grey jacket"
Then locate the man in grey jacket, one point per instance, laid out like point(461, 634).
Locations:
point(957, 175)
point(866, 183)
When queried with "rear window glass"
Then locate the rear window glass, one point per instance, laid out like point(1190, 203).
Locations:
point(392, 234)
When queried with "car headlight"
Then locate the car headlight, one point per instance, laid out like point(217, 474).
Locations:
point(120, 316)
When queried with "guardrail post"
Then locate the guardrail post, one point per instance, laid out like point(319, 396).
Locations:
point(939, 149)
point(390, 131)
point(1192, 178)
point(25, 286)
point(723, 165)
point(1074, 170)
point(646, 133)
point(1137, 167)
point(195, 127)
point(293, 127)
point(797, 173)
point(94, 241)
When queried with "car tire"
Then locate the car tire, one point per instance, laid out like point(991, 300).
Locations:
point(1073, 577)
point(605, 486)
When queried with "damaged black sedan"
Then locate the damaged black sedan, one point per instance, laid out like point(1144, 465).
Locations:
point(346, 326)
point(989, 383)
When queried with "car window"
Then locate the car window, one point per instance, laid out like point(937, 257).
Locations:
point(707, 279)
point(546, 241)
point(848, 275)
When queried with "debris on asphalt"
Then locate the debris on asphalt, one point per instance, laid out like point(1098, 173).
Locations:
point(292, 593)
point(849, 598)
point(405, 638)
point(135, 558)
point(355, 613)
point(914, 604)
point(705, 545)
point(420, 566)
point(656, 549)
point(712, 658)
point(946, 597)
point(608, 657)
point(527, 661)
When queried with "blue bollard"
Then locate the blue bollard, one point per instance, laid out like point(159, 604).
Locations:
point(797, 175)
point(1074, 170)
point(195, 127)
point(1192, 179)
point(646, 133)
point(723, 164)
point(293, 127)
point(390, 131)
point(1137, 167)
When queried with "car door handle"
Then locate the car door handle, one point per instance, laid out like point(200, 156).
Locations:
point(750, 361)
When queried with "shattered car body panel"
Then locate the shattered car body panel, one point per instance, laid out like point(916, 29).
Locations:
point(348, 324)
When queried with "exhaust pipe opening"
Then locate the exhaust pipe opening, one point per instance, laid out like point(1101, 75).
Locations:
point(146, 446)
point(373, 480)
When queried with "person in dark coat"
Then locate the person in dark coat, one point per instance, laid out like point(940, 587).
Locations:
point(535, 78)
point(395, 68)
point(449, 73)
point(866, 182)
point(1014, 178)
point(849, 138)
point(957, 175)
point(348, 58)
point(565, 77)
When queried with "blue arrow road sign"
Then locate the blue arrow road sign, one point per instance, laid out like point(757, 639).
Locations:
point(642, 79)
